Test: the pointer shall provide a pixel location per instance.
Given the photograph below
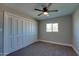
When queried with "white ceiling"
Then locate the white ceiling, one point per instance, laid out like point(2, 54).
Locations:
point(28, 9)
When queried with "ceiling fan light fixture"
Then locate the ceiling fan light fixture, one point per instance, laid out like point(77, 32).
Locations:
point(45, 10)
point(45, 13)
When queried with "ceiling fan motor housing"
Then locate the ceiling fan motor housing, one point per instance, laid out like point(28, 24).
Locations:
point(45, 9)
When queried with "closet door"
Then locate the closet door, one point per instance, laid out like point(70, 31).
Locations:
point(7, 33)
point(15, 33)
point(31, 33)
point(27, 32)
point(24, 33)
point(20, 32)
point(35, 30)
point(32, 26)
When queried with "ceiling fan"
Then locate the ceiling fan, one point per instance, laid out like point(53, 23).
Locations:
point(45, 10)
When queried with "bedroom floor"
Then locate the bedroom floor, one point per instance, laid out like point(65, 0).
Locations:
point(44, 49)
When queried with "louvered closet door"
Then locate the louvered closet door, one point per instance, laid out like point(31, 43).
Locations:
point(20, 33)
point(7, 33)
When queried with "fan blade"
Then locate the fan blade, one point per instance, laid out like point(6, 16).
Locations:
point(40, 14)
point(53, 11)
point(49, 5)
point(38, 10)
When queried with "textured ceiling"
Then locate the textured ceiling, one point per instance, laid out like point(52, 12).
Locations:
point(28, 9)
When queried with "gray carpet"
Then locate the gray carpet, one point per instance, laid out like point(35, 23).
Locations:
point(44, 49)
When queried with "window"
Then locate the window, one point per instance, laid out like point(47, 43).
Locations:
point(52, 27)
point(55, 27)
point(49, 27)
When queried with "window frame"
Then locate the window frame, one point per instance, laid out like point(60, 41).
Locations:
point(53, 26)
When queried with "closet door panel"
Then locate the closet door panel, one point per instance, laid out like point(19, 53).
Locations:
point(20, 32)
point(15, 33)
point(27, 32)
point(24, 33)
point(31, 34)
point(7, 34)
point(32, 26)
point(36, 30)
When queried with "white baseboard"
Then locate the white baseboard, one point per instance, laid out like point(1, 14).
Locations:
point(70, 45)
point(75, 50)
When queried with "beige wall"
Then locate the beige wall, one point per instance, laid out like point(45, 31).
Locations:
point(76, 31)
point(64, 35)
